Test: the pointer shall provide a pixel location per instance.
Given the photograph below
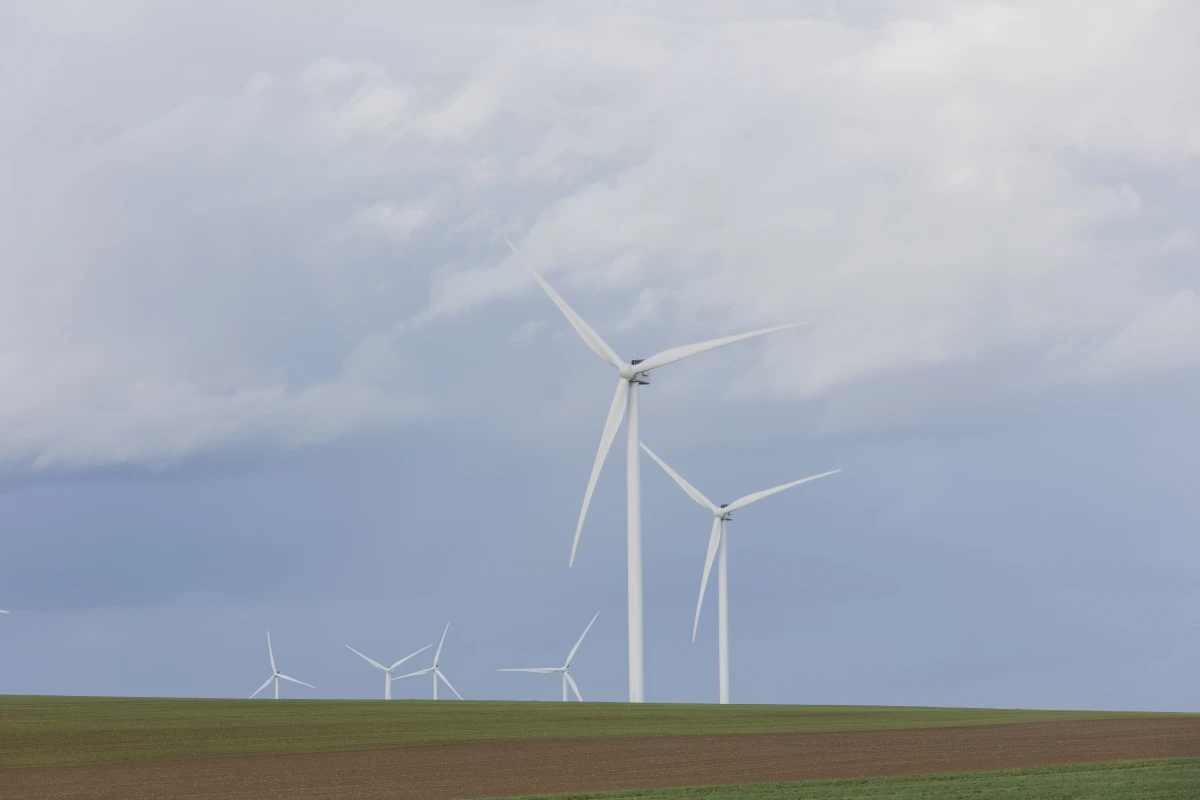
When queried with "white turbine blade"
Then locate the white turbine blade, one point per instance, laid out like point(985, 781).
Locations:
point(438, 672)
point(437, 656)
point(538, 670)
point(576, 647)
point(692, 491)
point(425, 671)
point(271, 652)
point(265, 685)
point(2, 611)
point(713, 541)
point(687, 351)
point(370, 661)
point(589, 336)
point(574, 688)
point(410, 655)
point(293, 680)
point(754, 498)
point(616, 413)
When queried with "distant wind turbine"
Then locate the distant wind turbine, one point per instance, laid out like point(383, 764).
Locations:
point(387, 671)
point(630, 375)
point(565, 669)
point(276, 674)
point(721, 515)
point(437, 673)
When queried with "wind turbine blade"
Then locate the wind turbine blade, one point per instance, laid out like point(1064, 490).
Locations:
point(293, 680)
point(438, 672)
point(687, 351)
point(692, 491)
point(2, 611)
point(616, 413)
point(265, 685)
point(576, 647)
point(271, 652)
point(437, 656)
point(410, 655)
point(574, 688)
point(754, 498)
point(538, 670)
point(713, 541)
point(589, 336)
point(370, 661)
point(425, 671)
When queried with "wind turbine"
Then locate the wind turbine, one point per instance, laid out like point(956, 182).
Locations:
point(630, 375)
point(387, 671)
point(276, 674)
point(437, 673)
point(721, 515)
point(565, 669)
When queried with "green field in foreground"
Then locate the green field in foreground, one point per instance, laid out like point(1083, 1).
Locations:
point(1167, 779)
point(62, 731)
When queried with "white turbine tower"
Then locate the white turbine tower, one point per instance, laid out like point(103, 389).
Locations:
point(276, 674)
point(630, 375)
point(721, 515)
point(565, 669)
point(437, 673)
point(387, 671)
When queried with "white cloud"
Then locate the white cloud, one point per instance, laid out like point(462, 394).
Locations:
point(933, 188)
point(527, 330)
point(403, 221)
point(1163, 337)
point(1180, 240)
point(192, 255)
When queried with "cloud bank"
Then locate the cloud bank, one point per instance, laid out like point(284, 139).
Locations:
point(241, 225)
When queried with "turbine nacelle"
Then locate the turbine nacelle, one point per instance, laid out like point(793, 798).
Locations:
point(629, 372)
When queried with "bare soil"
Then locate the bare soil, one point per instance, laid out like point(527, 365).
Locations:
point(521, 768)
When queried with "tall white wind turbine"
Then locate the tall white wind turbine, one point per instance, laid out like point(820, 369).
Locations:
point(387, 671)
point(630, 375)
point(716, 543)
point(276, 675)
point(437, 672)
point(565, 669)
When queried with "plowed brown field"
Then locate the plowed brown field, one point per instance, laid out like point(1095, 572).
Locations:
point(515, 768)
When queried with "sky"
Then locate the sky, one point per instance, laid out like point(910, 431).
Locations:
point(266, 362)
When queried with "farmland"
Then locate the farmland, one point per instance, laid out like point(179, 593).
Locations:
point(1166, 779)
point(72, 731)
point(135, 749)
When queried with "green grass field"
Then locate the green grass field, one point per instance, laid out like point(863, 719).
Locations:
point(66, 731)
point(1167, 779)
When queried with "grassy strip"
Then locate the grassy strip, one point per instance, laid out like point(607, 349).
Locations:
point(67, 731)
point(1165, 779)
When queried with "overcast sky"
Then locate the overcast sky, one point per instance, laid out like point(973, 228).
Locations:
point(267, 363)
